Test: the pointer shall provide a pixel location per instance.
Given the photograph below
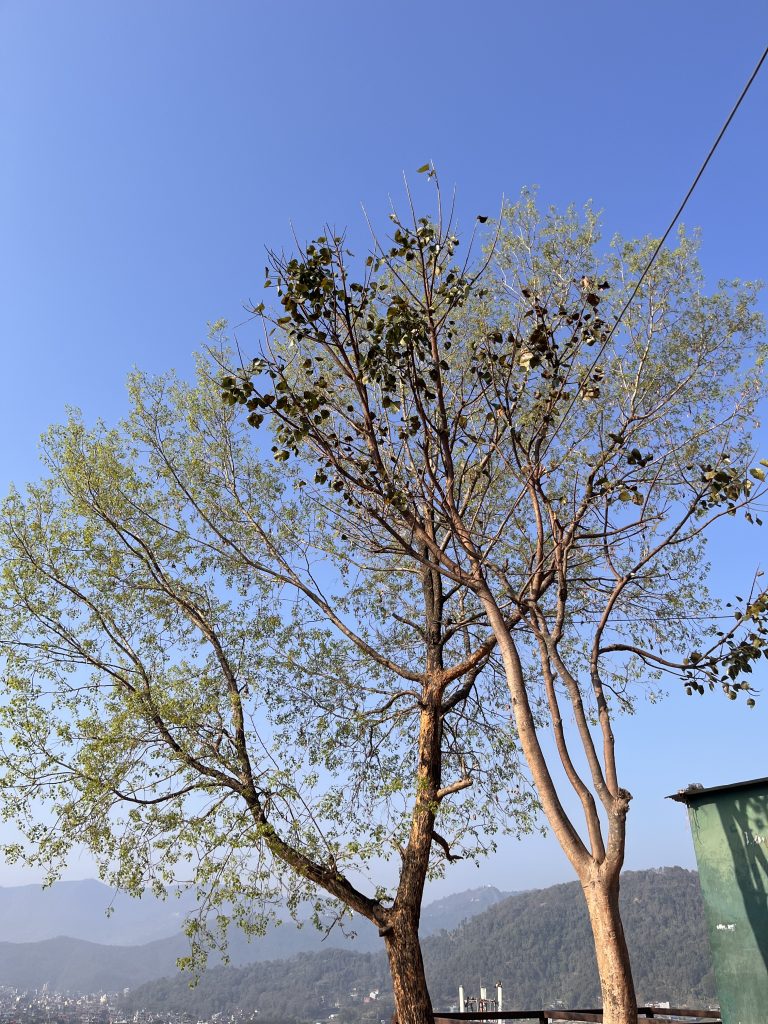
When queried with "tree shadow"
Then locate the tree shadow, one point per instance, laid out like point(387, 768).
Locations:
point(745, 823)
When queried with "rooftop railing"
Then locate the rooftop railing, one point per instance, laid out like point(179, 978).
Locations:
point(547, 1016)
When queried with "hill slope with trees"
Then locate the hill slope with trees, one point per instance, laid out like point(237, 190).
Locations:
point(537, 943)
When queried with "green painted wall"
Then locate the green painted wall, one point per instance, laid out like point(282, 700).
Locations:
point(730, 835)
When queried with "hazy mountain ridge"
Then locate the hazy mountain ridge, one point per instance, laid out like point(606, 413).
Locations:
point(537, 943)
point(65, 964)
point(93, 912)
point(450, 911)
point(72, 961)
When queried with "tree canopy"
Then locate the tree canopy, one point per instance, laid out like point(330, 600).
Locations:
point(559, 429)
point(205, 683)
point(432, 384)
point(486, 515)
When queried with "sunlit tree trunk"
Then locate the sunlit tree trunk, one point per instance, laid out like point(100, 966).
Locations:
point(598, 864)
point(412, 1001)
point(613, 965)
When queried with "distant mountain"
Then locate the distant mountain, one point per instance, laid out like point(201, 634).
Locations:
point(72, 965)
point(537, 943)
point(308, 987)
point(55, 932)
point(79, 910)
point(30, 913)
point(449, 912)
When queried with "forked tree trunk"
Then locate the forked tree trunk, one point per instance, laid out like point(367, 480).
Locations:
point(412, 1002)
point(618, 990)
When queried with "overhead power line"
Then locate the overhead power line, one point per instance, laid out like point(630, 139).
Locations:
point(688, 195)
point(664, 237)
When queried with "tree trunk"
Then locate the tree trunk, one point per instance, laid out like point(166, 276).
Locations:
point(618, 990)
point(412, 1001)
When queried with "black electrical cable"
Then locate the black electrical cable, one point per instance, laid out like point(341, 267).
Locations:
point(664, 237)
point(688, 195)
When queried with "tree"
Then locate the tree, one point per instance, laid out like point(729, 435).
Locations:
point(559, 454)
point(205, 684)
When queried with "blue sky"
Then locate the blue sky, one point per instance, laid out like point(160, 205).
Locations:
point(150, 150)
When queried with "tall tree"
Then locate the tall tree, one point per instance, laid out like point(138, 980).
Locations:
point(205, 682)
point(555, 454)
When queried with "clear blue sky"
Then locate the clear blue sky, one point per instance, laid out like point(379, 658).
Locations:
point(150, 150)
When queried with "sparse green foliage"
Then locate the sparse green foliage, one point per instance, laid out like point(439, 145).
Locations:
point(559, 457)
point(408, 378)
point(509, 479)
point(204, 683)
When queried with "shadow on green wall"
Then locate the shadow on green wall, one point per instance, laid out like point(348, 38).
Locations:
point(745, 823)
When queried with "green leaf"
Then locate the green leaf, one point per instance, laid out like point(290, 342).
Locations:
point(423, 169)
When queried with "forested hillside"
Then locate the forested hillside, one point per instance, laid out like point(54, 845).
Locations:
point(310, 986)
point(537, 943)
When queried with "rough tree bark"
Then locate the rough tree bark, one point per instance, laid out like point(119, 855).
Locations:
point(597, 865)
point(601, 891)
point(413, 1004)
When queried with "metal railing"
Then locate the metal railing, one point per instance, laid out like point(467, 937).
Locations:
point(547, 1016)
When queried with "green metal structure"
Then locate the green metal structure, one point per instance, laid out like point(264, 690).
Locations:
point(729, 825)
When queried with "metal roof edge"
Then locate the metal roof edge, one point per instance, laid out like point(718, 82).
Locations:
point(692, 793)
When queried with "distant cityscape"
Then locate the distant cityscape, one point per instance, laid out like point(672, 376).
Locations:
point(43, 1007)
point(19, 1007)
point(46, 1007)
